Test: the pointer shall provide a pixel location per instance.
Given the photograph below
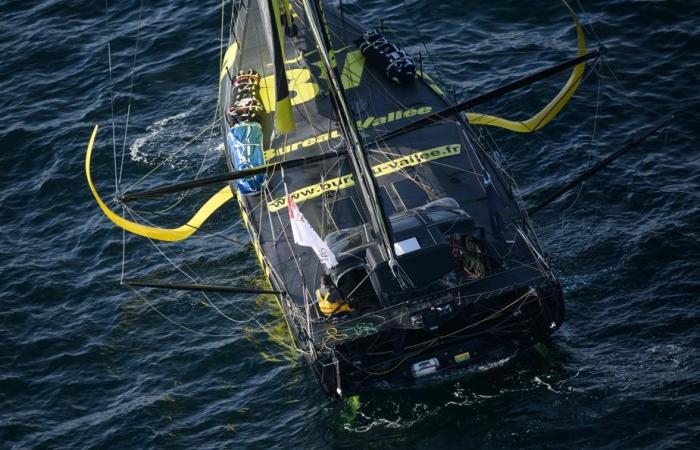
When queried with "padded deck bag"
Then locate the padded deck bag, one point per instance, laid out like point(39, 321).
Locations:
point(380, 53)
point(246, 143)
point(246, 105)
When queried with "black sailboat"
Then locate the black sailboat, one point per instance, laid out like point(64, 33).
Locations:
point(352, 169)
point(434, 253)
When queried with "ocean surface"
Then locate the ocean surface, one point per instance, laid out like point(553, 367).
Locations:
point(85, 363)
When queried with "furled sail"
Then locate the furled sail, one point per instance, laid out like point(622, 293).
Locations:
point(270, 11)
point(550, 111)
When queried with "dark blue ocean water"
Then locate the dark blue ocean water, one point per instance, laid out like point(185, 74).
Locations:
point(87, 364)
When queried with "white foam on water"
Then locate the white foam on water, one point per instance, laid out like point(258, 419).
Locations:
point(156, 131)
point(549, 387)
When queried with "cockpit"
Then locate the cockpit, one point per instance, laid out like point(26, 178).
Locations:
point(425, 245)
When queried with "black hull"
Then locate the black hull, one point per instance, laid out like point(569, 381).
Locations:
point(487, 342)
point(449, 322)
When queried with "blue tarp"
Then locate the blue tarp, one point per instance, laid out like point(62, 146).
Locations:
point(246, 143)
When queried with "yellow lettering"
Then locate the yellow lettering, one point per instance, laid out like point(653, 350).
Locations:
point(379, 121)
point(335, 134)
point(379, 170)
point(368, 121)
point(352, 70)
point(301, 88)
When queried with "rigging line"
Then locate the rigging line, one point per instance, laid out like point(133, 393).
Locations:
point(358, 155)
point(272, 270)
point(250, 318)
point(535, 132)
point(283, 227)
point(305, 111)
point(177, 324)
point(391, 97)
point(524, 52)
point(214, 120)
point(624, 90)
point(325, 172)
point(196, 228)
point(630, 144)
point(416, 177)
point(479, 177)
point(170, 157)
point(580, 80)
point(375, 111)
point(479, 140)
point(474, 324)
point(329, 210)
point(355, 320)
point(131, 89)
point(178, 286)
point(436, 162)
point(123, 264)
point(231, 28)
point(111, 97)
point(499, 328)
point(492, 94)
point(491, 329)
point(191, 278)
point(423, 41)
point(309, 117)
point(286, 236)
point(292, 347)
point(296, 260)
point(590, 150)
point(617, 80)
point(264, 195)
point(591, 28)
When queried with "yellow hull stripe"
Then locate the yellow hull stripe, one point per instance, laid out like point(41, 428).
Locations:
point(379, 170)
point(161, 234)
point(229, 59)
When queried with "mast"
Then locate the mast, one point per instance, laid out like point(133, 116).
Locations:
point(358, 155)
point(270, 11)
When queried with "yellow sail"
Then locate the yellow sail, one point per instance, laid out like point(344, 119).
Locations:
point(162, 234)
point(550, 111)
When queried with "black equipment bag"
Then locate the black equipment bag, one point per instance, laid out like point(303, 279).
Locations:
point(396, 64)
